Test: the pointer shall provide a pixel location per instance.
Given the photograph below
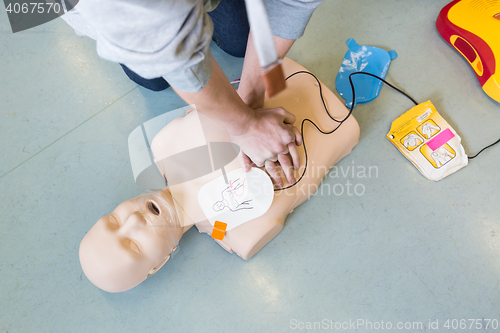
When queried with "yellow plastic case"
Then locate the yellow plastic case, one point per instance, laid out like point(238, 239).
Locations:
point(428, 141)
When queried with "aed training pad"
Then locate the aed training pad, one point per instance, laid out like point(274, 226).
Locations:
point(362, 58)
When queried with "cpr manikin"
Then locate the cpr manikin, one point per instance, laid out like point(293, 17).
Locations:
point(135, 240)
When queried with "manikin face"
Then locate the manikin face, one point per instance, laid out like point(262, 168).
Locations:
point(132, 242)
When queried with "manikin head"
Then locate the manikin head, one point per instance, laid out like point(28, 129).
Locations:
point(131, 243)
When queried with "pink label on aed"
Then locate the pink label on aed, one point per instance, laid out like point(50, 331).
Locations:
point(440, 139)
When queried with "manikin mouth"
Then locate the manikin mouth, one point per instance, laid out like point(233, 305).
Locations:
point(153, 208)
point(160, 216)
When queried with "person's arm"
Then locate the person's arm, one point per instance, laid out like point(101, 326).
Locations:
point(262, 134)
point(288, 20)
point(252, 92)
point(251, 88)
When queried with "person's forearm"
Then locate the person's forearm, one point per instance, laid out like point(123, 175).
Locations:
point(251, 89)
point(262, 134)
point(220, 101)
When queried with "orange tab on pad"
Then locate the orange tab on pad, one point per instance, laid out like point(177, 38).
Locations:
point(219, 230)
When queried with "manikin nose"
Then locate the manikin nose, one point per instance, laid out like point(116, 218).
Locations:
point(135, 220)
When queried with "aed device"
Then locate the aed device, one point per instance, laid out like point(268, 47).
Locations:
point(472, 27)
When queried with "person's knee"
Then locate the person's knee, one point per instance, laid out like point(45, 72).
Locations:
point(235, 49)
point(231, 27)
point(157, 84)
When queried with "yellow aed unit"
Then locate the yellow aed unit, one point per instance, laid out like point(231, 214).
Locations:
point(472, 27)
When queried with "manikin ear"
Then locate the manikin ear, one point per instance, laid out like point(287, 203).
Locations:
point(160, 265)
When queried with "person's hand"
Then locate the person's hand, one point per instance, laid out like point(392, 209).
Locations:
point(287, 162)
point(270, 136)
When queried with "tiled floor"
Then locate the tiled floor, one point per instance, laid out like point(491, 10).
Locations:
point(408, 250)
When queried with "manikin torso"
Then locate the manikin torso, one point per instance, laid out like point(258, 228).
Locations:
point(136, 239)
point(301, 98)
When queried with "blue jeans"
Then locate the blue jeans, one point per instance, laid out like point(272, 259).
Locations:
point(231, 31)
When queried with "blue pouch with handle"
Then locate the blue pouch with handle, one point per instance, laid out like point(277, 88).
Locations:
point(362, 58)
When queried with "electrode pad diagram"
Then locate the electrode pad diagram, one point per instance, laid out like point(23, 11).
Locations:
point(245, 196)
point(428, 142)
